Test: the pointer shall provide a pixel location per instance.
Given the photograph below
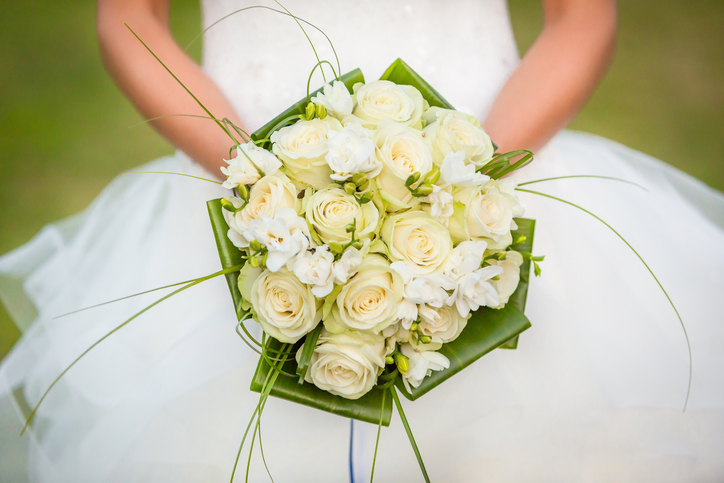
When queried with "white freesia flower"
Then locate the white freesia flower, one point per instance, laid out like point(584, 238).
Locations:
point(284, 236)
point(455, 172)
point(510, 277)
point(351, 151)
point(269, 194)
point(369, 301)
point(302, 148)
point(417, 239)
point(406, 314)
point(474, 290)
point(431, 289)
point(346, 364)
point(383, 100)
point(241, 171)
point(421, 365)
point(485, 213)
point(443, 324)
point(315, 268)
point(441, 203)
point(452, 131)
point(465, 258)
point(344, 268)
point(401, 151)
point(284, 307)
point(336, 99)
point(330, 211)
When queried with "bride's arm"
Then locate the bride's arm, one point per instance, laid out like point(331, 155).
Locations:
point(151, 89)
point(557, 75)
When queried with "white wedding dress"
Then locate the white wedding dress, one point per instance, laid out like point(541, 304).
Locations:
point(594, 391)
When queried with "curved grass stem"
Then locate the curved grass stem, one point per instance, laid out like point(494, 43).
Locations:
point(583, 176)
point(396, 398)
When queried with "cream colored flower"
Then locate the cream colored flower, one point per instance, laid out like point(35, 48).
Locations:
point(402, 152)
point(336, 99)
point(268, 195)
point(421, 365)
point(451, 131)
point(418, 240)
point(485, 213)
point(285, 307)
point(346, 364)
point(330, 211)
point(474, 290)
point(302, 148)
point(284, 237)
point(351, 151)
point(443, 324)
point(509, 279)
point(369, 301)
point(386, 101)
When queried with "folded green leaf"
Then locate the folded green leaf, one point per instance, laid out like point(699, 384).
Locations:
point(401, 73)
point(310, 343)
point(228, 253)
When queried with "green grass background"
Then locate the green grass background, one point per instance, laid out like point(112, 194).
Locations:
point(64, 127)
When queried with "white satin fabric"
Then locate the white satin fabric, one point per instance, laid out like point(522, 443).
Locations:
point(594, 391)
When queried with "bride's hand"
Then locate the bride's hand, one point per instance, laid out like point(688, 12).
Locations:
point(151, 89)
point(557, 75)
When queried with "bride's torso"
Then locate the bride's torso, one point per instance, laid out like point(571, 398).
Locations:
point(261, 59)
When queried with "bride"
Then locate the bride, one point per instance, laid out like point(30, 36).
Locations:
point(596, 388)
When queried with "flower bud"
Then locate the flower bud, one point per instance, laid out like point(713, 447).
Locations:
point(336, 248)
point(228, 205)
point(365, 198)
point(412, 179)
point(414, 327)
point(357, 244)
point(403, 363)
point(310, 111)
point(255, 245)
point(520, 239)
point(359, 178)
point(389, 360)
point(432, 176)
point(425, 339)
point(321, 111)
point(254, 262)
point(350, 188)
point(263, 260)
point(423, 190)
point(243, 192)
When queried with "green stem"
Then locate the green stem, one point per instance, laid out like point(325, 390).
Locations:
point(305, 34)
point(686, 334)
point(175, 174)
point(393, 391)
point(195, 282)
point(583, 176)
point(379, 430)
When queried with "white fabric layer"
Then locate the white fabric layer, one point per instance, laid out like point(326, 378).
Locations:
point(594, 391)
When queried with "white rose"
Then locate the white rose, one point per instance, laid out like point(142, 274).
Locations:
point(284, 236)
point(417, 239)
point(268, 195)
point(346, 364)
point(386, 101)
point(485, 213)
point(302, 148)
point(452, 131)
point(336, 99)
point(351, 151)
point(344, 268)
point(369, 301)
point(330, 211)
point(285, 307)
point(465, 258)
point(510, 277)
point(474, 290)
point(421, 365)
point(443, 324)
point(402, 152)
point(316, 269)
point(455, 172)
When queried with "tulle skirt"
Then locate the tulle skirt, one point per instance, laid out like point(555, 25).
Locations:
point(594, 392)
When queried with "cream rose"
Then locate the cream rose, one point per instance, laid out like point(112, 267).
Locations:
point(452, 131)
point(443, 324)
point(418, 240)
point(386, 101)
point(369, 301)
point(302, 148)
point(330, 211)
point(284, 307)
point(485, 213)
point(509, 279)
point(401, 151)
point(268, 195)
point(346, 364)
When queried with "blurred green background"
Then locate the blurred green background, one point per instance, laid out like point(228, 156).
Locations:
point(64, 127)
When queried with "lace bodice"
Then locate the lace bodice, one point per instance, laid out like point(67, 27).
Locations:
point(261, 60)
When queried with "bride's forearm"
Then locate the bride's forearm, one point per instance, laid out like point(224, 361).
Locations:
point(557, 75)
point(151, 89)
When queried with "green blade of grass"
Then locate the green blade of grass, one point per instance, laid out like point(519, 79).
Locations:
point(583, 176)
point(393, 391)
point(175, 174)
point(681, 321)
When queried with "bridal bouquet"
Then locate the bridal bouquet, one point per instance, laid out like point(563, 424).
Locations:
point(379, 244)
